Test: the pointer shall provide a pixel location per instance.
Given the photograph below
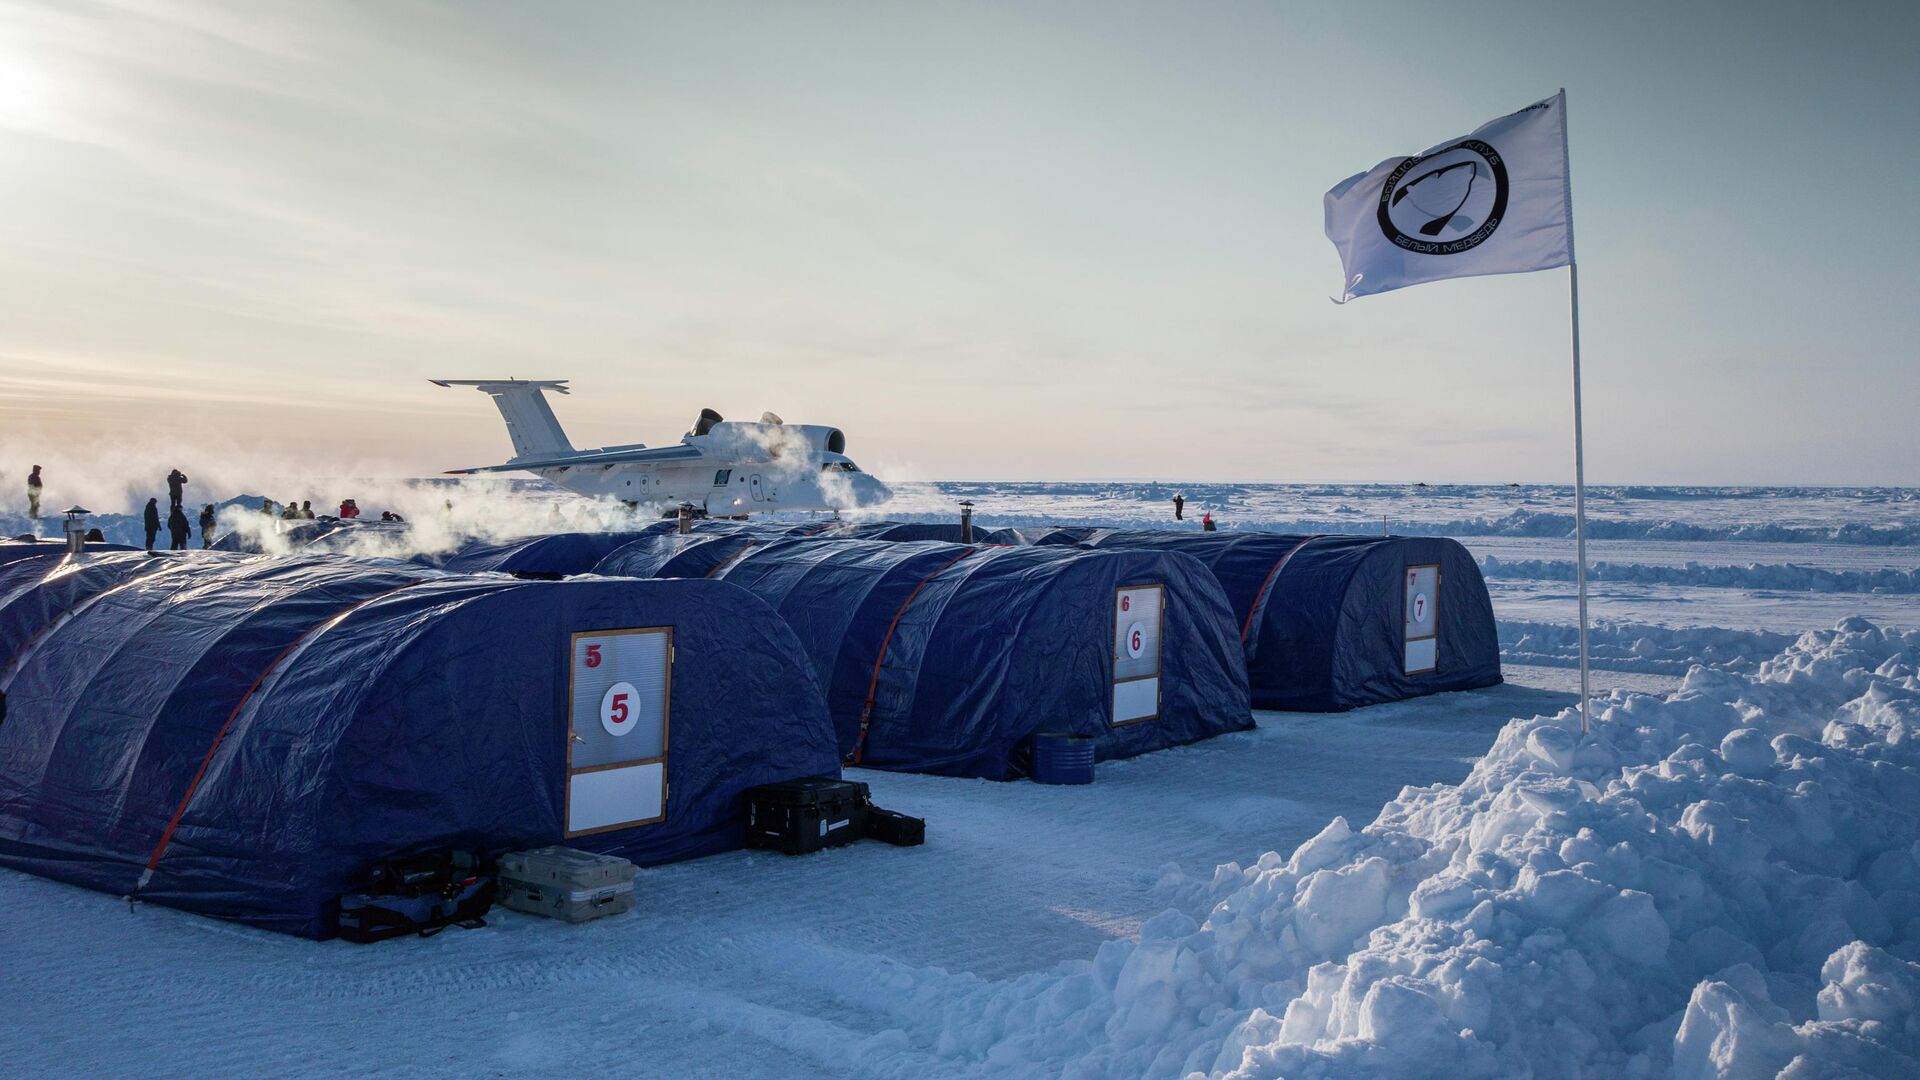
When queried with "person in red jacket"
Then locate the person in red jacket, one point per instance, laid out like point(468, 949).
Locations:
point(348, 509)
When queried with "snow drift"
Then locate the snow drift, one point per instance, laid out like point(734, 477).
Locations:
point(1724, 882)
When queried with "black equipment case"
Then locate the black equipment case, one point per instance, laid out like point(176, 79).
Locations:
point(799, 816)
point(896, 828)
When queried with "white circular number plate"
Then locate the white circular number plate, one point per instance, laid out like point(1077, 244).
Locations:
point(1419, 607)
point(1136, 640)
point(620, 708)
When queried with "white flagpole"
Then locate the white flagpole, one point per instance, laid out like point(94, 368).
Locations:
point(1579, 438)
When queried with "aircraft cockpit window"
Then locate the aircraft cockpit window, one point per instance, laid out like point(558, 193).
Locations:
point(721, 477)
point(839, 466)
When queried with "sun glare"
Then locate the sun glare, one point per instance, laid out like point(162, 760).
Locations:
point(23, 95)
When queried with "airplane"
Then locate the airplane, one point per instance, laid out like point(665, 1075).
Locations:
point(724, 468)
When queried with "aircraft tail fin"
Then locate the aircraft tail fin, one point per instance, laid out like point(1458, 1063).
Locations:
point(531, 425)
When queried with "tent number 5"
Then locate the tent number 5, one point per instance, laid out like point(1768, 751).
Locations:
point(593, 656)
point(616, 709)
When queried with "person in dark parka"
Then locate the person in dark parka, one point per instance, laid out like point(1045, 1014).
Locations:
point(207, 524)
point(152, 521)
point(1179, 507)
point(178, 530)
point(176, 485)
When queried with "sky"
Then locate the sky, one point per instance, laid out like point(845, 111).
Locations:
point(990, 241)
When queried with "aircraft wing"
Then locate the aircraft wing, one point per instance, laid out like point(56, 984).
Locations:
point(642, 456)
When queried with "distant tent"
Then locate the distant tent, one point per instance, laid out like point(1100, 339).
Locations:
point(698, 555)
point(361, 536)
point(242, 736)
point(755, 527)
point(550, 556)
point(288, 534)
point(14, 550)
point(1334, 622)
point(946, 532)
point(947, 659)
point(1050, 536)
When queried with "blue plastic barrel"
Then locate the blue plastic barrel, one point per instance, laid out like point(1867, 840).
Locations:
point(1059, 758)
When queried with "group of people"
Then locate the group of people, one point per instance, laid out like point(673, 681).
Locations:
point(178, 528)
point(175, 522)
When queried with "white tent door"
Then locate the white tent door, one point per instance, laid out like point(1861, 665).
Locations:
point(617, 729)
point(1138, 612)
point(1422, 619)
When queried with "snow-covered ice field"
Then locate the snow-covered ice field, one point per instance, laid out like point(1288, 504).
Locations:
point(1723, 881)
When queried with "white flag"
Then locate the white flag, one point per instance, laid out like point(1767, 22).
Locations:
point(1494, 202)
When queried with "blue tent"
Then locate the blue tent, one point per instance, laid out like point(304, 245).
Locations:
point(1051, 536)
point(242, 736)
point(294, 534)
point(36, 594)
point(947, 532)
point(1334, 622)
point(550, 556)
point(697, 555)
point(15, 550)
point(946, 659)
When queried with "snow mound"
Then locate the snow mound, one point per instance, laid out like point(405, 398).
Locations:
point(1724, 882)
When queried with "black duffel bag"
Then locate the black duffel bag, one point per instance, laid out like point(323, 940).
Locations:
point(418, 894)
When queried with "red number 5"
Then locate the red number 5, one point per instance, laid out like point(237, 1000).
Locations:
point(619, 709)
point(593, 656)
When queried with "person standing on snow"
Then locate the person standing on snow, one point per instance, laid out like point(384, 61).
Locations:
point(152, 521)
point(176, 487)
point(33, 495)
point(207, 523)
point(1206, 522)
point(1179, 506)
point(306, 509)
point(348, 511)
point(291, 512)
point(177, 528)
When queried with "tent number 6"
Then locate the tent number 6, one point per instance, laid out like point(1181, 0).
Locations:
point(1126, 603)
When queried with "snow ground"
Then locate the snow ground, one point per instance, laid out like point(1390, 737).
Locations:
point(780, 961)
point(843, 964)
